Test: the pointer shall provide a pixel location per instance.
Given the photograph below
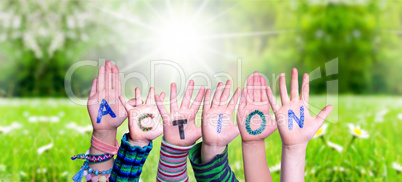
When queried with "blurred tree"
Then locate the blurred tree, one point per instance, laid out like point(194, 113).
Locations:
point(40, 40)
point(363, 35)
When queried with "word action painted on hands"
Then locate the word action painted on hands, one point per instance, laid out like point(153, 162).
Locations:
point(102, 112)
point(219, 129)
point(292, 115)
point(148, 115)
point(263, 123)
point(181, 129)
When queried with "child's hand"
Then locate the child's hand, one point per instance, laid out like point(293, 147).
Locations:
point(105, 110)
point(295, 124)
point(179, 125)
point(254, 115)
point(218, 128)
point(143, 119)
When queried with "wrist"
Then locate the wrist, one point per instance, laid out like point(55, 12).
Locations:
point(138, 142)
point(208, 151)
point(295, 148)
point(106, 136)
point(253, 143)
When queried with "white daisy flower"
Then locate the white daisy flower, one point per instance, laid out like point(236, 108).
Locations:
point(22, 173)
point(341, 169)
point(80, 129)
point(62, 114)
point(43, 118)
point(65, 173)
point(313, 171)
point(25, 114)
point(363, 171)
point(2, 167)
point(399, 116)
point(62, 132)
point(379, 117)
point(335, 146)
point(54, 119)
point(397, 166)
point(45, 148)
point(33, 119)
point(7, 129)
point(25, 132)
point(237, 165)
point(275, 168)
point(356, 131)
point(41, 170)
point(321, 131)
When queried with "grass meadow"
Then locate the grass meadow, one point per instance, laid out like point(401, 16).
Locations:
point(38, 137)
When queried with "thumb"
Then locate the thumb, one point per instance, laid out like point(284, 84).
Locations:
point(324, 113)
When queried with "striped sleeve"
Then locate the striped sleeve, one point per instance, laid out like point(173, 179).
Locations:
point(172, 162)
point(216, 170)
point(129, 161)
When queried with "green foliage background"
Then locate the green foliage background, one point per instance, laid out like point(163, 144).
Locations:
point(40, 40)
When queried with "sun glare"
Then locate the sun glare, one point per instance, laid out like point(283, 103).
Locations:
point(180, 39)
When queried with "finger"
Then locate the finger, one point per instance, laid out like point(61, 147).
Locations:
point(162, 96)
point(257, 85)
point(173, 98)
point(305, 91)
point(151, 94)
point(234, 100)
point(198, 99)
point(225, 95)
point(138, 100)
point(207, 101)
point(108, 75)
point(294, 86)
point(126, 105)
point(263, 83)
point(243, 99)
point(117, 84)
point(217, 96)
point(282, 89)
point(101, 78)
point(250, 85)
point(93, 88)
point(272, 100)
point(187, 96)
point(324, 113)
point(114, 80)
point(160, 106)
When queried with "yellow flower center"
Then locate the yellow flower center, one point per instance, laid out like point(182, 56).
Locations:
point(357, 131)
point(319, 131)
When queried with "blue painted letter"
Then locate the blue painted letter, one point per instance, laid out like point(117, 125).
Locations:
point(292, 115)
point(101, 112)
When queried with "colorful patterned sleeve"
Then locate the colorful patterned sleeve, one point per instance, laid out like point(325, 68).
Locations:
point(217, 169)
point(172, 162)
point(129, 161)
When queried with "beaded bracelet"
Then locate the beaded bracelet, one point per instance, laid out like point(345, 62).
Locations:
point(92, 158)
point(87, 172)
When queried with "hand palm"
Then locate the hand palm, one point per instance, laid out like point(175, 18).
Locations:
point(183, 117)
point(296, 134)
point(217, 121)
point(106, 87)
point(254, 99)
point(143, 120)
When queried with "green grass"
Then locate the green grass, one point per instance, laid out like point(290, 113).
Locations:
point(375, 155)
